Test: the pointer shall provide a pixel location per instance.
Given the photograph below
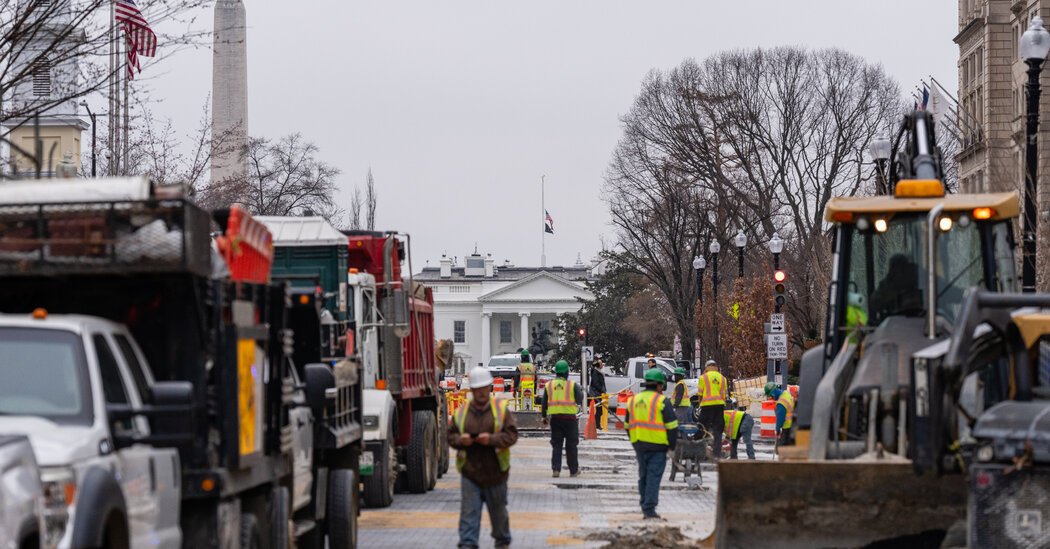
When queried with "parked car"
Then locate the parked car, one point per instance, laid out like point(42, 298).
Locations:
point(21, 495)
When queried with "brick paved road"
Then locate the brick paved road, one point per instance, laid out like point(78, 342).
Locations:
point(545, 511)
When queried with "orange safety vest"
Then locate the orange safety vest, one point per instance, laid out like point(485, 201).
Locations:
point(712, 389)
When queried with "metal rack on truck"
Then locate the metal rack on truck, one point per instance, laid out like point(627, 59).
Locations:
point(270, 451)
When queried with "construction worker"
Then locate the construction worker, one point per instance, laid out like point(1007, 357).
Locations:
point(713, 392)
point(683, 409)
point(562, 399)
point(739, 424)
point(527, 382)
point(653, 429)
point(856, 316)
point(785, 412)
point(596, 388)
point(482, 433)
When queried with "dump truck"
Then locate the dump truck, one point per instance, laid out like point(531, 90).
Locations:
point(386, 323)
point(186, 419)
point(405, 409)
point(902, 265)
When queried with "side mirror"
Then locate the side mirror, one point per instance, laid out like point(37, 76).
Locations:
point(171, 416)
point(319, 379)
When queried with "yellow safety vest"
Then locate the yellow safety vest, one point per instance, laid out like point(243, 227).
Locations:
point(528, 372)
point(560, 397)
point(499, 411)
point(788, 402)
point(685, 395)
point(733, 419)
point(712, 389)
point(647, 422)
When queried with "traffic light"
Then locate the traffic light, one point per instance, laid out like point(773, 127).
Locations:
point(779, 278)
point(582, 332)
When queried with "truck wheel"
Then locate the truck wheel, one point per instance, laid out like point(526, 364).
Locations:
point(435, 460)
point(280, 513)
point(379, 487)
point(342, 508)
point(420, 462)
point(443, 459)
point(250, 538)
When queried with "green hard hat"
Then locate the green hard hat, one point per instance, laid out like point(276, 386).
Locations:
point(655, 375)
point(679, 371)
point(525, 354)
point(769, 388)
point(561, 367)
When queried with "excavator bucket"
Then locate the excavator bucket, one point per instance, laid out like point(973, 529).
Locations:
point(834, 504)
point(529, 420)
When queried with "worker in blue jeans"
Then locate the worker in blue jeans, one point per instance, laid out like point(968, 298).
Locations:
point(739, 425)
point(653, 429)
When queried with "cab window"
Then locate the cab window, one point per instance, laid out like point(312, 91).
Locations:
point(112, 381)
point(132, 360)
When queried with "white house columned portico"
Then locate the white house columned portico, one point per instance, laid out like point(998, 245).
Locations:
point(488, 310)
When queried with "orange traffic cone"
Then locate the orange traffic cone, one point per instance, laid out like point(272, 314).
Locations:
point(590, 432)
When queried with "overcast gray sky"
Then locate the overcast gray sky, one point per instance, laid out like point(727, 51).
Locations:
point(460, 106)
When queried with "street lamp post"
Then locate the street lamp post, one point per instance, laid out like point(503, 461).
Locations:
point(776, 245)
point(94, 136)
point(880, 151)
point(714, 248)
point(740, 241)
point(699, 264)
point(1035, 45)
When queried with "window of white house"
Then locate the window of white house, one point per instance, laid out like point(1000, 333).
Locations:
point(42, 78)
point(459, 331)
point(504, 331)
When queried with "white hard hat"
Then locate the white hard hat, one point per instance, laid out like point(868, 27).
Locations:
point(480, 377)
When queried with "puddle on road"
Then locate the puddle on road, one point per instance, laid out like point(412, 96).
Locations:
point(663, 537)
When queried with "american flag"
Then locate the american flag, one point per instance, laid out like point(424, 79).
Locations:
point(548, 224)
point(140, 37)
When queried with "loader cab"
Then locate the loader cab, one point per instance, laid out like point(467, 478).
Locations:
point(882, 267)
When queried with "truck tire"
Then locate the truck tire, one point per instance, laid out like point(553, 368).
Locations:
point(250, 538)
point(443, 454)
point(280, 514)
point(343, 501)
point(435, 460)
point(379, 486)
point(420, 460)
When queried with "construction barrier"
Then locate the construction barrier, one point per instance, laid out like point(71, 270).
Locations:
point(621, 407)
point(455, 399)
point(497, 386)
point(769, 419)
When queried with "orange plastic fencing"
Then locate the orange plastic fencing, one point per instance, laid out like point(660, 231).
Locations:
point(247, 247)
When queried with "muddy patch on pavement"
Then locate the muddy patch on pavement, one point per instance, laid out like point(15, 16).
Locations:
point(629, 537)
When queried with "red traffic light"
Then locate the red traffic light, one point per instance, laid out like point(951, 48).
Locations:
point(779, 275)
point(582, 332)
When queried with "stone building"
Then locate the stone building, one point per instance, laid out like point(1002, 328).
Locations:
point(52, 70)
point(992, 101)
point(489, 309)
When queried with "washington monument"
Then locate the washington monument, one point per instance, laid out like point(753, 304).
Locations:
point(229, 97)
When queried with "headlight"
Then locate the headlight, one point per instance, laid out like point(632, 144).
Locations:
point(60, 490)
point(371, 422)
point(985, 453)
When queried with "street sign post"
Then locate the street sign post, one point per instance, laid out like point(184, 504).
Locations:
point(588, 353)
point(777, 346)
point(776, 323)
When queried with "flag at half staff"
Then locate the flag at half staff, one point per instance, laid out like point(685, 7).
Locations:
point(548, 222)
point(140, 37)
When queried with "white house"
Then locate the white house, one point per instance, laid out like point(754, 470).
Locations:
point(489, 310)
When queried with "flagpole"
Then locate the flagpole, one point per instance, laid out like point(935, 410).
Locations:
point(543, 218)
point(112, 89)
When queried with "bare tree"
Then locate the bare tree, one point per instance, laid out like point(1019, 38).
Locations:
point(370, 200)
point(356, 202)
point(283, 178)
point(757, 141)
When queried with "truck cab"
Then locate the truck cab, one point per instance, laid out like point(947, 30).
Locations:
point(71, 384)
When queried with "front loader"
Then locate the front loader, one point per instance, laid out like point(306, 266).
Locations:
point(901, 267)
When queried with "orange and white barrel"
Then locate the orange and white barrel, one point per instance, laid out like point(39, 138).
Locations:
point(621, 407)
point(497, 385)
point(769, 419)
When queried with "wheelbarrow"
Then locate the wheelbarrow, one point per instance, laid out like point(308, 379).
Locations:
point(693, 448)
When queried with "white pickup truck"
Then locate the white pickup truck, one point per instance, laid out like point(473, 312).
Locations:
point(21, 495)
point(635, 369)
point(68, 383)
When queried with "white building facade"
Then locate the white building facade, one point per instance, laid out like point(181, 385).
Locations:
point(489, 310)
